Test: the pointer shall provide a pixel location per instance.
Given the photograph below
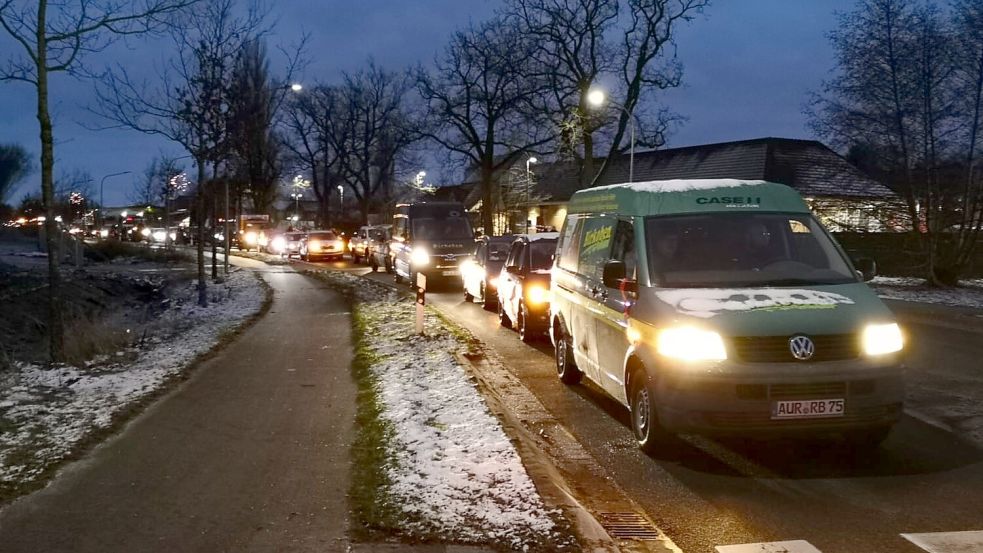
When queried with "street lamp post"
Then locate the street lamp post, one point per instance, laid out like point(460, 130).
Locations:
point(341, 202)
point(102, 204)
point(529, 162)
point(596, 98)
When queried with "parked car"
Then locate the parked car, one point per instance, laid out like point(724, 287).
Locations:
point(432, 238)
point(480, 274)
point(378, 249)
point(321, 244)
point(359, 242)
point(721, 307)
point(524, 285)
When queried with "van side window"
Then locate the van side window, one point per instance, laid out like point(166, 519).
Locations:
point(514, 254)
point(624, 247)
point(595, 246)
point(569, 248)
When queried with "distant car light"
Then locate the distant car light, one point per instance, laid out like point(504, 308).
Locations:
point(279, 244)
point(691, 344)
point(145, 232)
point(159, 235)
point(251, 238)
point(881, 339)
point(493, 282)
point(420, 257)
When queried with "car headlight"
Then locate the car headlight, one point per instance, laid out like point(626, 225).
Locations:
point(880, 339)
point(104, 233)
point(314, 245)
point(251, 238)
point(691, 344)
point(145, 232)
point(279, 243)
point(159, 236)
point(420, 257)
point(339, 244)
point(493, 282)
point(536, 295)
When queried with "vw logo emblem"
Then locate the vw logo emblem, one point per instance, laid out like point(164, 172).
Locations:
point(802, 347)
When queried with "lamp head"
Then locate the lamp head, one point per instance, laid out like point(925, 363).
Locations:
point(596, 97)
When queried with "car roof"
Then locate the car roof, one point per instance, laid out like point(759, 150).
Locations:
point(537, 236)
point(686, 196)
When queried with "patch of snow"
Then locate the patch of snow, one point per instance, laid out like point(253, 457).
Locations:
point(679, 185)
point(52, 409)
point(968, 294)
point(710, 302)
point(455, 473)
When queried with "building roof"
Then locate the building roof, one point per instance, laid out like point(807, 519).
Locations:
point(808, 166)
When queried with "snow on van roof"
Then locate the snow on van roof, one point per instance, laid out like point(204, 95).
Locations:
point(679, 185)
point(543, 236)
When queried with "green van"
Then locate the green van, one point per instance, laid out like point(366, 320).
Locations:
point(721, 307)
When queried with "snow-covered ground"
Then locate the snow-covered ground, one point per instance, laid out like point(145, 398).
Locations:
point(46, 412)
point(968, 294)
point(455, 473)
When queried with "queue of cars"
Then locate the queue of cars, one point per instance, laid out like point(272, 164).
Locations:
point(719, 307)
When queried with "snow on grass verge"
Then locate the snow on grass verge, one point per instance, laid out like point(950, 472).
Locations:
point(968, 294)
point(48, 413)
point(450, 472)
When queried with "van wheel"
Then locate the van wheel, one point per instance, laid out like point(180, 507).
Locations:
point(649, 434)
point(503, 319)
point(374, 264)
point(486, 303)
point(396, 278)
point(467, 296)
point(566, 368)
point(523, 324)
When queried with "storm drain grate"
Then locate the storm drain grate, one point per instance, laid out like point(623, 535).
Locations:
point(628, 526)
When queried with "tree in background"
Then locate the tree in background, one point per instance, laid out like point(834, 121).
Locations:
point(898, 98)
point(57, 42)
point(253, 141)
point(190, 103)
point(15, 164)
point(481, 102)
point(581, 43)
point(307, 121)
point(156, 182)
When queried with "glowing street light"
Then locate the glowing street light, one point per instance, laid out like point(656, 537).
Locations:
point(596, 98)
point(530, 161)
point(296, 87)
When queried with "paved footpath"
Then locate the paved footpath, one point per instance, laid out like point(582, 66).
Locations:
point(251, 454)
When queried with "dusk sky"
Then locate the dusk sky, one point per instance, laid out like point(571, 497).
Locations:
point(749, 65)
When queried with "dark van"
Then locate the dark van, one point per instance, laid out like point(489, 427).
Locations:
point(432, 238)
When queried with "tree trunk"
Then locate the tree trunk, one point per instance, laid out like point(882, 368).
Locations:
point(200, 216)
point(56, 323)
point(487, 195)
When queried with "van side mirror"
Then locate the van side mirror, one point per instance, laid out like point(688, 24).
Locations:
point(614, 273)
point(866, 267)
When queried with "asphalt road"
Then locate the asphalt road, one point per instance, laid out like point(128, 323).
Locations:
point(705, 493)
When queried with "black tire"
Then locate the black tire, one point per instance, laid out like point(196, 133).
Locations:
point(649, 434)
point(303, 257)
point(396, 278)
point(374, 264)
point(389, 266)
point(525, 333)
point(487, 303)
point(566, 367)
point(503, 319)
point(467, 295)
point(356, 259)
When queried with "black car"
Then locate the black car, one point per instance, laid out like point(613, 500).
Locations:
point(480, 275)
point(524, 285)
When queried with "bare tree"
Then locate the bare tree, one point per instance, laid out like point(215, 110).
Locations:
point(968, 33)
point(58, 42)
point(895, 95)
point(306, 120)
point(190, 104)
point(580, 43)
point(157, 179)
point(481, 100)
point(15, 164)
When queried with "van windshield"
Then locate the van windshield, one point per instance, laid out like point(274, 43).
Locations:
point(448, 228)
point(742, 249)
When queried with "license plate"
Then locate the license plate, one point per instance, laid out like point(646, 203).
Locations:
point(808, 409)
point(450, 273)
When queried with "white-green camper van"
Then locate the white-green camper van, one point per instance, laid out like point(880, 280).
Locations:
point(721, 307)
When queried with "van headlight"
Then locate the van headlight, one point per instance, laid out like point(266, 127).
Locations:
point(251, 238)
point(419, 257)
point(881, 339)
point(691, 344)
point(537, 294)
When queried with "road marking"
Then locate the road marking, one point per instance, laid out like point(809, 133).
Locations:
point(948, 542)
point(794, 546)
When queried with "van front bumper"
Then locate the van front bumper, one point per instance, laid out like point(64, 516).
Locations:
point(744, 401)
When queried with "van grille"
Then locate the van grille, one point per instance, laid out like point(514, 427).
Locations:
point(775, 349)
